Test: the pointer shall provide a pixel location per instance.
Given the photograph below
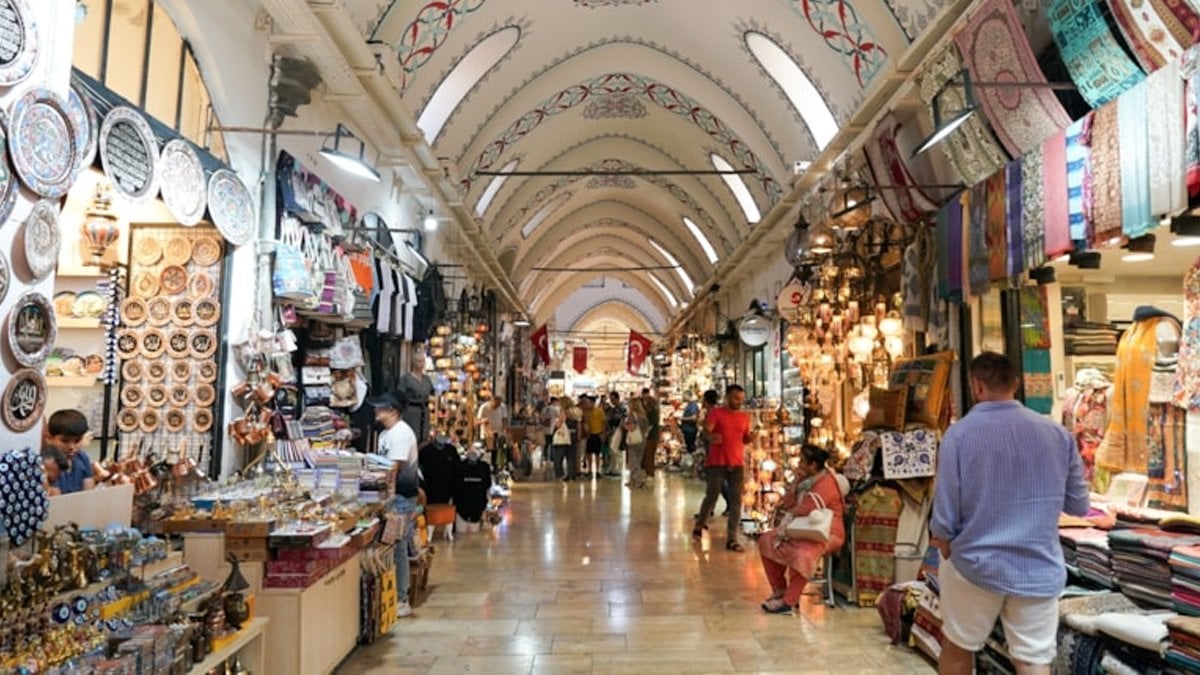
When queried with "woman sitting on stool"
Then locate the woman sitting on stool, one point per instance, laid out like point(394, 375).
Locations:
point(790, 563)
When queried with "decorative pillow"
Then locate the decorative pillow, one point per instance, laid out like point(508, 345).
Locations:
point(912, 454)
point(862, 459)
point(887, 408)
point(928, 378)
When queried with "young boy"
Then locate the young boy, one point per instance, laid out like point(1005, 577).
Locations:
point(65, 430)
point(54, 464)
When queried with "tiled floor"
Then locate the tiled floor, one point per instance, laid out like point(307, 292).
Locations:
point(590, 577)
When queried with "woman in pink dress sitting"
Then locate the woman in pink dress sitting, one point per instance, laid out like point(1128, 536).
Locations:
point(790, 563)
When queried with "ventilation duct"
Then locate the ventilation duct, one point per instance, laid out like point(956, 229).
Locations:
point(292, 82)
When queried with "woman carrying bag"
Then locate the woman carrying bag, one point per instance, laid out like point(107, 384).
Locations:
point(811, 527)
point(634, 427)
point(561, 444)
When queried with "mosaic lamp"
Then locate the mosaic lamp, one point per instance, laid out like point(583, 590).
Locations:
point(100, 228)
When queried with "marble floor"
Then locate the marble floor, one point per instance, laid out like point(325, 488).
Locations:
point(590, 577)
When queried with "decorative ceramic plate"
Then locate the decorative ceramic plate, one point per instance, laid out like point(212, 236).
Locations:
point(156, 395)
point(200, 285)
point(202, 421)
point(18, 41)
point(72, 366)
point(42, 240)
point(206, 372)
point(133, 311)
point(177, 344)
point(173, 279)
point(31, 330)
point(127, 344)
point(205, 395)
point(89, 305)
point(148, 251)
point(156, 371)
point(149, 423)
point(177, 251)
point(203, 344)
point(132, 396)
point(93, 364)
point(231, 207)
point(24, 400)
point(154, 343)
point(5, 275)
point(42, 143)
point(158, 311)
point(132, 371)
point(206, 251)
point(175, 420)
point(181, 371)
point(9, 185)
point(183, 186)
point(128, 420)
point(145, 284)
point(180, 395)
point(182, 312)
point(129, 151)
point(64, 303)
point(86, 128)
point(207, 312)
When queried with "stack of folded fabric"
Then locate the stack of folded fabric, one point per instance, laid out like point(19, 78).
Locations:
point(1133, 517)
point(1183, 643)
point(1092, 339)
point(1095, 561)
point(1185, 579)
point(1073, 537)
point(926, 635)
point(1140, 560)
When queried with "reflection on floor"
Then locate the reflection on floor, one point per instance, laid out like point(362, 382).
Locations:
point(591, 577)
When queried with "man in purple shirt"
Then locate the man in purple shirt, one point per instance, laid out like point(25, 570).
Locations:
point(1005, 474)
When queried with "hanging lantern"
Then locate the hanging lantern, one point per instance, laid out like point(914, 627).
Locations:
point(100, 228)
point(892, 325)
point(821, 239)
point(851, 208)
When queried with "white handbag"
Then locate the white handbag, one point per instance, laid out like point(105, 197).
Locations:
point(562, 435)
point(814, 526)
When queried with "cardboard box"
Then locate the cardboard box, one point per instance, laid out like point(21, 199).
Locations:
point(249, 528)
point(179, 525)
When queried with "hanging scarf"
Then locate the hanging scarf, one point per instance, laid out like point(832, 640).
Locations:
point(1033, 207)
point(977, 243)
point(997, 246)
point(1038, 380)
point(1192, 118)
point(1132, 128)
point(1095, 59)
point(972, 149)
point(1079, 179)
point(1167, 141)
point(1012, 216)
point(1158, 30)
point(1106, 178)
point(1056, 239)
point(950, 250)
point(1166, 438)
point(1124, 445)
point(919, 264)
point(1187, 388)
point(1035, 318)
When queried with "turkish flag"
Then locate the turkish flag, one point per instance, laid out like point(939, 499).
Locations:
point(639, 349)
point(541, 344)
point(579, 357)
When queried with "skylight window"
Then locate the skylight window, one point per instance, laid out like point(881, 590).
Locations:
point(705, 244)
point(463, 78)
point(739, 189)
point(544, 213)
point(665, 291)
point(796, 86)
point(671, 260)
point(493, 188)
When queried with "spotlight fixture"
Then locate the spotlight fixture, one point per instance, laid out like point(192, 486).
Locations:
point(431, 221)
point(350, 163)
point(521, 322)
point(1140, 249)
point(1085, 260)
point(1186, 229)
point(1043, 275)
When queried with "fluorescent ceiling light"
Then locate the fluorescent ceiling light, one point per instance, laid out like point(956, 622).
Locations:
point(521, 322)
point(738, 187)
point(671, 260)
point(705, 244)
point(945, 129)
point(355, 165)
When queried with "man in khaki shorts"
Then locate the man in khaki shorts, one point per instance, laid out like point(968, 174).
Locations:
point(1005, 474)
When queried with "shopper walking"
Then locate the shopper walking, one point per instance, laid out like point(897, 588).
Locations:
point(634, 427)
point(614, 441)
point(728, 429)
point(1005, 474)
point(548, 418)
point(398, 444)
point(653, 431)
point(575, 424)
point(561, 442)
point(493, 421)
point(689, 423)
point(593, 426)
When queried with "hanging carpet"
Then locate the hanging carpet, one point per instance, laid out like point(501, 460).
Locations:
point(1159, 31)
point(1095, 59)
point(888, 168)
point(972, 149)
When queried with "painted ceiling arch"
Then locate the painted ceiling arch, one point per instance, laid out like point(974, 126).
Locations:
point(633, 288)
point(608, 313)
point(607, 253)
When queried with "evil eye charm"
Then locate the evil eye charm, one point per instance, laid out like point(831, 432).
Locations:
point(61, 613)
point(79, 604)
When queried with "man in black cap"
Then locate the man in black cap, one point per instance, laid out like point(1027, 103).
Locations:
point(398, 443)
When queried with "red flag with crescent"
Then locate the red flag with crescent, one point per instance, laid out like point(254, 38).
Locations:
point(639, 349)
point(541, 343)
point(579, 359)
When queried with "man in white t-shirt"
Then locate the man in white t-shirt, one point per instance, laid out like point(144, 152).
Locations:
point(398, 443)
point(493, 416)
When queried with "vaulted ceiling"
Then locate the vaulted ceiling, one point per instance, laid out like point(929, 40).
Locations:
point(620, 86)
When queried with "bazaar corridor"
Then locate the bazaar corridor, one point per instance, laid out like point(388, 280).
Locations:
point(591, 577)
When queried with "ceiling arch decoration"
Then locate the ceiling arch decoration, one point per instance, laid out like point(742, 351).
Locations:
point(593, 4)
point(837, 22)
point(624, 316)
point(596, 253)
point(635, 288)
point(423, 33)
point(608, 84)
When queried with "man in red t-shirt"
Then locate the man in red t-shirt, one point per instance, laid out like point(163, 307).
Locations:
point(728, 430)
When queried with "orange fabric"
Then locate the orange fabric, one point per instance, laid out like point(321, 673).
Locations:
point(1125, 446)
point(801, 555)
point(363, 270)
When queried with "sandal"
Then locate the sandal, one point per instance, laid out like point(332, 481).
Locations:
point(776, 607)
point(697, 533)
point(734, 546)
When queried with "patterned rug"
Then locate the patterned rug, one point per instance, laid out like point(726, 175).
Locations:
point(875, 522)
point(1057, 221)
point(1133, 128)
point(972, 149)
point(1158, 30)
point(888, 168)
point(1095, 59)
point(1105, 164)
point(1167, 142)
point(994, 47)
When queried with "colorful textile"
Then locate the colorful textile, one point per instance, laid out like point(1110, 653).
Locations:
point(1039, 381)
point(909, 454)
point(1167, 140)
point(1035, 318)
point(1187, 391)
point(24, 503)
point(1124, 446)
point(1167, 457)
point(1158, 30)
point(1095, 59)
point(994, 47)
point(1132, 127)
point(1033, 207)
point(888, 168)
point(996, 228)
point(875, 523)
point(972, 149)
point(1013, 211)
point(979, 261)
point(1191, 98)
point(952, 217)
point(1088, 422)
point(1079, 179)
point(1105, 143)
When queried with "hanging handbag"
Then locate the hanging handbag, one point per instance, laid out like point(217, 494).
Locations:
point(290, 278)
point(562, 435)
point(813, 526)
point(634, 436)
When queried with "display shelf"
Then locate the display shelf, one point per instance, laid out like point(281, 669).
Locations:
point(80, 273)
point(80, 381)
point(76, 322)
point(252, 632)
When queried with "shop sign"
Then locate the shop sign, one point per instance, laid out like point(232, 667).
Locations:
point(754, 331)
point(793, 296)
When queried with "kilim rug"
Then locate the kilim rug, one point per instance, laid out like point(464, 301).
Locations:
point(875, 523)
point(1158, 30)
point(888, 168)
point(1095, 59)
point(972, 149)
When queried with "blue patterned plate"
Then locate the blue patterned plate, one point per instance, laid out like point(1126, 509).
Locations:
point(231, 207)
point(18, 41)
point(42, 143)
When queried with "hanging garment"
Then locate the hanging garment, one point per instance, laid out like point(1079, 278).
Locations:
point(1124, 445)
point(980, 258)
point(1167, 140)
point(439, 472)
point(1167, 440)
point(471, 490)
point(1132, 126)
point(972, 150)
point(1055, 236)
point(1187, 392)
point(1079, 179)
point(1014, 232)
point(888, 168)
point(431, 296)
point(1105, 142)
point(875, 522)
point(994, 47)
point(1089, 420)
point(1033, 198)
point(1038, 380)
point(1158, 30)
point(995, 231)
point(398, 300)
point(919, 265)
point(1095, 59)
point(385, 299)
point(1192, 121)
point(410, 305)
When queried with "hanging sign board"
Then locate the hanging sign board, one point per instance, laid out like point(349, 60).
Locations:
point(793, 296)
point(754, 331)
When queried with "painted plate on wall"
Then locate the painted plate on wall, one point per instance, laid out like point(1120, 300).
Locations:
point(129, 152)
point(24, 400)
point(9, 185)
point(5, 276)
point(182, 179)
point(86, 131)
point(42, 240)
point(18, 41)
point(231, 207)
point(42, 143)
point(31, 330)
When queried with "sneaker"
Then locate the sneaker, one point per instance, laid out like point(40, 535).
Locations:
point(403, 610)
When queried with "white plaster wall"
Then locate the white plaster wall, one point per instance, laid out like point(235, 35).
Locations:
point(579, 302)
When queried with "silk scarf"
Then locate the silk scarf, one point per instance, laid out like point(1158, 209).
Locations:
point(1133, 131)
point(1158, 30)
point(995, 229)
point(888, 168)
point(1057, 232)
point(1033, 205)
point(1166, 440)
point(972, 150)
point(1079, 179)
point(1106, 178)
point(994, 48)
point(1038, 380)
point(950, 250)
point(1095, 59)
point(1187, 389)
point(1192, 122)
point(1124, 445)
point(979, 262)
point(1167, 140)
point(1012, 216)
